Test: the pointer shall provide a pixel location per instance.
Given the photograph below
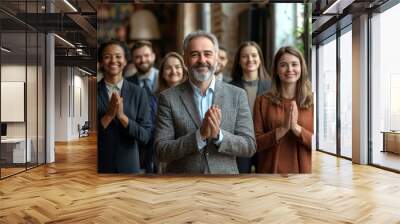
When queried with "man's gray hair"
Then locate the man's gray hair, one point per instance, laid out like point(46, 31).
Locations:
point(200, 33)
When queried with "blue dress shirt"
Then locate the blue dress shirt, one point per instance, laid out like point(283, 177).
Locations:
point(203, 103)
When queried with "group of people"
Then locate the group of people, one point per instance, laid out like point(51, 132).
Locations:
point(187, 117)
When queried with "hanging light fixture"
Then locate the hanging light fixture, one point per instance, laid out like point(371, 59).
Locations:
point(144, 26)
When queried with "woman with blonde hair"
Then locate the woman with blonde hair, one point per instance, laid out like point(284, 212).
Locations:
point(172, 72)
point(283, 117)
point(249, 73)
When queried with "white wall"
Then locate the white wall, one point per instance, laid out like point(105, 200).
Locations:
point(79, 117)
point(33, 127)
point(61, 103)
point(14, 73)
point(17, 73)
point(71, 94)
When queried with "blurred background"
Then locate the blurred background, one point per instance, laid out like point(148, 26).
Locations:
point(270, 24)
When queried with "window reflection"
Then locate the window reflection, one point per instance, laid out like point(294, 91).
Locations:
point(22, 67)
point(385, 84)
point(327, 97)
point(346, 94)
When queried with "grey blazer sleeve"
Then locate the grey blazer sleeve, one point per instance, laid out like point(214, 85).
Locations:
point(242, 142)
point(167, 147)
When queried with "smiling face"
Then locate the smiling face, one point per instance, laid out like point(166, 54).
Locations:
point(249, 59)
point(113, 60)
point(289, 68)
point(172, 71)
point(201, 58)
point(143, 58)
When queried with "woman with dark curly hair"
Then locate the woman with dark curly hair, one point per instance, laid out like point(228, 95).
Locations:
point(123, 113)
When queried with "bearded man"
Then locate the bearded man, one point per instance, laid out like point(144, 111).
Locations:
point(203, 124)
point(143, 58)
point(222, 62)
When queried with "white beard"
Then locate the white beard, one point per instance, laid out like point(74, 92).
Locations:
point(203, 77)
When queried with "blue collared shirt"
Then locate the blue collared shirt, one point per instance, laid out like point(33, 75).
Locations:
point(203, 103)
point(152, 77)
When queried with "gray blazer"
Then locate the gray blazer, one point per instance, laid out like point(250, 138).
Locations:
point(177, 122)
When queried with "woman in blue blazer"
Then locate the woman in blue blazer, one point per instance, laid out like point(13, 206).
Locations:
point(123, 113)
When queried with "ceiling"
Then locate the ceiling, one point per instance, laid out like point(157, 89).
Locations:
point(328, 15)
point(79, 27)
point(33, 18)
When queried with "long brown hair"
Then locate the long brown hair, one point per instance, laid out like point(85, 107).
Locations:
point(162, 84)
point(304, 95)
point(237, 71)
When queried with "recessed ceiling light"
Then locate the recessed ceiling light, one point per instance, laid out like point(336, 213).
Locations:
point(64, 40)
point(70, 5)
point(5, 50)
point(84, 71)
point(337, 7)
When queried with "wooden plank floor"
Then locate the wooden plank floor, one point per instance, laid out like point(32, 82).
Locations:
point(70, 191)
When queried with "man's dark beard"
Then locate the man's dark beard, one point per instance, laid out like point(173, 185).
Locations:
point(141, 71)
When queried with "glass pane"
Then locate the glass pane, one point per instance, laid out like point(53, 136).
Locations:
point(314, 87)
point(22, 61)
point(41, 99)
point(327, 97)
point(31, 97)
point(386, 89)
point(346, 94)
point(13, 72)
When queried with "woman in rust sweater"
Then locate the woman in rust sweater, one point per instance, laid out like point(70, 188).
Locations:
point(283, 117)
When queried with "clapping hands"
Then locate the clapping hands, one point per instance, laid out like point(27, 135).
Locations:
point(115, 110)
point(116, 106)
point(290, 122)
point(211, 123)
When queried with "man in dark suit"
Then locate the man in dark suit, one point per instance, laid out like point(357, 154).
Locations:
point(123, 112)
point(143, 57)
point(203, 124)
point(223, 59)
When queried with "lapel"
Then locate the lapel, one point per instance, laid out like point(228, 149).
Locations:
point(125, 90)
point(187, 98)
point(218, 94)
point(133, 79)
point(103, 93)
